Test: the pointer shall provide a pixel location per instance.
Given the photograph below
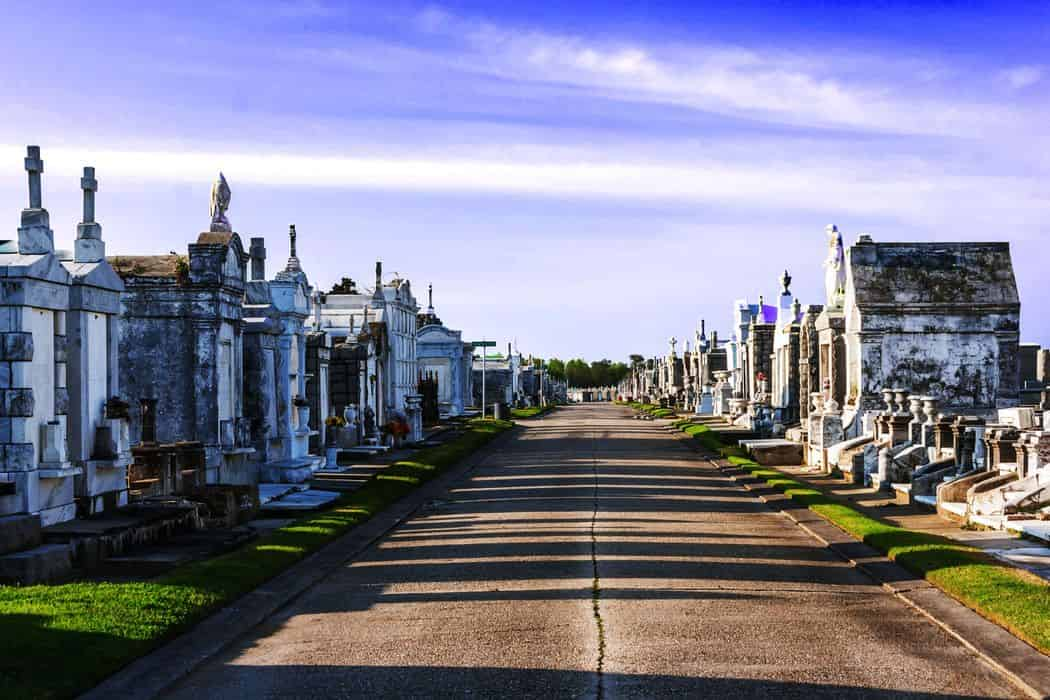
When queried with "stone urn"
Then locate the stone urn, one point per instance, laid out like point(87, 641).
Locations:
point(930, 407)
point(915, 408)
point(887, 397)
point(817, 397)
point(304, 417)
point(900, 397)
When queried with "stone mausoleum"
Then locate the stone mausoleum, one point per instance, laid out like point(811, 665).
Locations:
point(63, 445)
point(443, 354)
point(181, 347)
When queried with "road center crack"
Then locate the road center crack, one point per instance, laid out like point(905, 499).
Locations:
point(596, 589)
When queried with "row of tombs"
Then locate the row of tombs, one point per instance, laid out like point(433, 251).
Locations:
point(133, 381)
point(910, 378)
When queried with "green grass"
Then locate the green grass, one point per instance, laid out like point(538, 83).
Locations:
point(1013, 598)
point(653, 410)
point(58, 641)
point(531, 411)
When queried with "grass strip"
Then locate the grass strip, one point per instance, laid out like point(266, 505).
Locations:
point(532, 411)
point(1012, 598)
point(58, 641)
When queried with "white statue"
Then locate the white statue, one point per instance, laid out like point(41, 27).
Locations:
point(835, 268)
point(220, 202)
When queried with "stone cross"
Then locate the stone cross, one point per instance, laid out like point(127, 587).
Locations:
point(34, 166)
point(88, 247)
point(674, 343)
point(257, 253)
point(34, 234)
point(89, 184)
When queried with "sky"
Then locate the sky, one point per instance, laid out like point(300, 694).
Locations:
point(586, 178)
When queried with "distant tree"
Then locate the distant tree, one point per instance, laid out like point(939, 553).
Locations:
point(556, 368)
point(637, 359)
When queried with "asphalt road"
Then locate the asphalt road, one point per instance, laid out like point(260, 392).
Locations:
point(594, 556)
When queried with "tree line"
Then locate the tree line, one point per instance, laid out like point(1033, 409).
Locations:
point(583, 374)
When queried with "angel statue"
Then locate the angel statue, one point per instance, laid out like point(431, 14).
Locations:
point(220, 202)
point(835, 268)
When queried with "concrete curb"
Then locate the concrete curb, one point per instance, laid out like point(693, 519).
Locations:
point(1022, 664)
point(150, 675)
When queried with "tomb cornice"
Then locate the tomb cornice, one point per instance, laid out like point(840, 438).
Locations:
point(41, 294)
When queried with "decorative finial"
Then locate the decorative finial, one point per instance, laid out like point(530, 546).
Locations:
point(430, 298)
point(220, 202)
point(293, 261)
point(785, 283)
point(379, 274)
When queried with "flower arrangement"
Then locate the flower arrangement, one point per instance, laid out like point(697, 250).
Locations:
point(761, 376)
point(335, 421)
point(397, 427)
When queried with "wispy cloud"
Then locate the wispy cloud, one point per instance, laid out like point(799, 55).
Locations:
point(768, 85)
point(910, 192)
point(1020, 77)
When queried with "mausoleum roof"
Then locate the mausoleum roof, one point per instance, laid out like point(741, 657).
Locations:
point(963, 275)
point(145, 265)
point(215, 238)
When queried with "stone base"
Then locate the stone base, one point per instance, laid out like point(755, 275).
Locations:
point(18, 532)
point(289, 471)
point(772, 453)
point(44, 564)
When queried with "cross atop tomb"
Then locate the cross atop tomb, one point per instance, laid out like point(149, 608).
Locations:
point(34, 234)
point(88, 247)
point(674, 343)
point(34, 166)
point(89, 185)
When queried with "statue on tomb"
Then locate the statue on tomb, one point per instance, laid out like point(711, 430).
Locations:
point(220, 202)
point(369, 421)
point(835, 269)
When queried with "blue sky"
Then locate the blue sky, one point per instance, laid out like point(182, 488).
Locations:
point(588, 179)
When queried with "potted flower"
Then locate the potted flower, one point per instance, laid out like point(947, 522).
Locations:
point(334, 423)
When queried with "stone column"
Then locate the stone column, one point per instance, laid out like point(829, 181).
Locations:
point(284, 390)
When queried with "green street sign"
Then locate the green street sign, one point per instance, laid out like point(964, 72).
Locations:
point(484, 343)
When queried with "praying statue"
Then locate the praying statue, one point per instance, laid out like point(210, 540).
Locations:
point(835, 268)
point(220, 202)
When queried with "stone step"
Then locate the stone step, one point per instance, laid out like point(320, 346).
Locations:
point(18, 532)
point(48, 563)
point(153, 560)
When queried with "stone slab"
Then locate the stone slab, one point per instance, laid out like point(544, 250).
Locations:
point(44, 564)
point(18, 532)
point(309, 499)
point(269, 491)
